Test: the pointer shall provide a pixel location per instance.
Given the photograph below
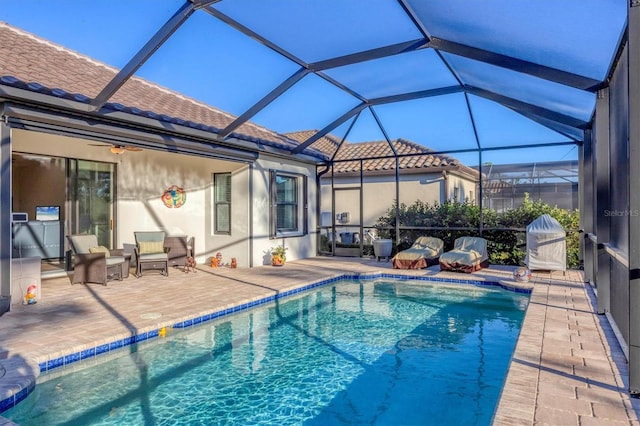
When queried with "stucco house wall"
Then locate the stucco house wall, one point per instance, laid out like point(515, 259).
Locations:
point(142, 178)
point(379, 193)
point(299, 247)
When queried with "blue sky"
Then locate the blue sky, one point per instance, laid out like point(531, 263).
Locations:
point(209, 61)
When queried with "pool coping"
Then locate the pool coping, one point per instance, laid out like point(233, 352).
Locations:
point(20, 380)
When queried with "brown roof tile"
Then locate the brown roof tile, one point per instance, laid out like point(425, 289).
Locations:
point(61, 71)
point(370, 150)
point(31, 59)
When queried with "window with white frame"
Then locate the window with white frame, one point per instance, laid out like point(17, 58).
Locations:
point(222, 202)
point(288, 201)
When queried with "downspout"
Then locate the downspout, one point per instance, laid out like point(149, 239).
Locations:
point(319, 204)
point(480, 204)
point(361, 207)
point(251, 236)
point(445, 190)
point(5, 215)
point(333, 211)
point(397, 194)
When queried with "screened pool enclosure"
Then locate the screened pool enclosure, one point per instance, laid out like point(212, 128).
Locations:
point(395, 102)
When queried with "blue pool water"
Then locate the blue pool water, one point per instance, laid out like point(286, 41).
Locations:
point(372, 352)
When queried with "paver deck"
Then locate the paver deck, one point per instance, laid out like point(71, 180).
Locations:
point(567, 368)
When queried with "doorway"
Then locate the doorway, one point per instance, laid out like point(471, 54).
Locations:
point(91, 207)
point(82, 194)
point(348, 221)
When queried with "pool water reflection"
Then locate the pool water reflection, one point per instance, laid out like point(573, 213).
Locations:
point(371, 352)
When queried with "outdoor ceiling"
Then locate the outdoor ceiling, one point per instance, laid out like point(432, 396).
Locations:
point(452, 75)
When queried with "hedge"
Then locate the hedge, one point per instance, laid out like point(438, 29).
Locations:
point(506, 247)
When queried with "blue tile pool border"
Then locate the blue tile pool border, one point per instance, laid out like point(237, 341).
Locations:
point(118, 344)
point(65, 360)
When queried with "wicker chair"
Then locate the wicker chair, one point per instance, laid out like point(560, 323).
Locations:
point(93, 263)
point(151, 252)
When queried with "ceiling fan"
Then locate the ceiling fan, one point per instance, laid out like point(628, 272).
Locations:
point(119, 149)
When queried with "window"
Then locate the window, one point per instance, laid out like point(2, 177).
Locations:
point(457, 194)
point(501, 205)
point(222, 202)
point(288, 204)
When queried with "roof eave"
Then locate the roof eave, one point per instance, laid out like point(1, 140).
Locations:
point(201, 132)
point(456, 169)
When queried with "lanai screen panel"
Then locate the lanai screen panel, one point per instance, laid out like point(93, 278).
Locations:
point(499, 126)
point(315, 31)
point(618, 209)
point(563, 100)
point(400, 74)
point(310, 104)
point(548, 175)
point(212, 62)
point(440, 123)
point(574, 35)
point(290, 65)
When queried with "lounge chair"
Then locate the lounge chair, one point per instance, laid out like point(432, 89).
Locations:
point(151, 252)
point(424, 252)
point(96, 264)
point(469, 254)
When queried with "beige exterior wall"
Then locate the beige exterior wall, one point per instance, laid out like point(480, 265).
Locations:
point(379, 193)
point(461, 189)
point(142, 178)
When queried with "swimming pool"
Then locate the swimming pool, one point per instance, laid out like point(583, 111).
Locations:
point(349, 352)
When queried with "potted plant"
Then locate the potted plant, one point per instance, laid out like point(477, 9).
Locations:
point(278, 255)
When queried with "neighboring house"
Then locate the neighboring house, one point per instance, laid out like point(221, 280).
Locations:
point(422, 175)
point(244, 194)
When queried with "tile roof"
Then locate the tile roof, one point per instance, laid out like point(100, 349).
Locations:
point(349, 153)
point(39, 65)
point(35, 64)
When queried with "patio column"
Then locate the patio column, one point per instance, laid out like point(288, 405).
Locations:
point(602, 191)
point(5, 210)
point(634, 197)
point(586, 167)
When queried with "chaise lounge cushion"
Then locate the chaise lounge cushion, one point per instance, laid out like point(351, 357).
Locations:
point(469, 254)
point(424, 252)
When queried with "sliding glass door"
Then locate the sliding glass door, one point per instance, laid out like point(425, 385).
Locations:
point(91, 189)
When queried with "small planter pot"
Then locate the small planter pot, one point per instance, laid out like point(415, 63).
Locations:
point(382, 248)
point(277, 261)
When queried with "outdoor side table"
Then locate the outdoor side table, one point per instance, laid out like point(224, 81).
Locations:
point(114, 272)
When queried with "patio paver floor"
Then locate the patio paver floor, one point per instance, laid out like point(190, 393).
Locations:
point(567, 368)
